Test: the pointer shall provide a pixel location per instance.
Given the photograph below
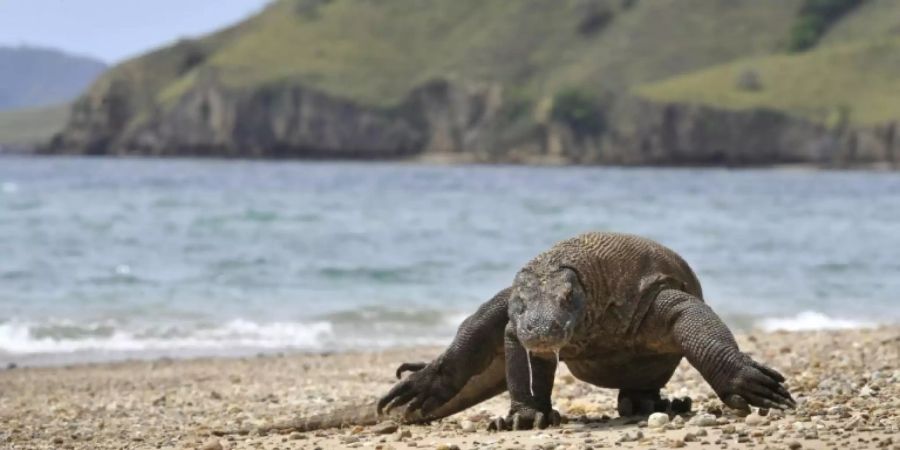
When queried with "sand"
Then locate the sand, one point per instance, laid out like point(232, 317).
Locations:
point(847, 384)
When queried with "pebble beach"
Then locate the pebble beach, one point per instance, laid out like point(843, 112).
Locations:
point(847, 384)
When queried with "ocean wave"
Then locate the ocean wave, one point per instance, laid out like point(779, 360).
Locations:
point(8, 187)
point(362, 328)
point(811, 320)
point(18, 337)
point(377, 314)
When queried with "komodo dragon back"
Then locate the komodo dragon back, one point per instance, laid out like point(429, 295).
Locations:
point(621, 274)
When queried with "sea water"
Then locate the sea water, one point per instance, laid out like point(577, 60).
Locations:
point(137, 258)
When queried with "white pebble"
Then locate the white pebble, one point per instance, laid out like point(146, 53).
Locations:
point(703, 420)
point(754, 419)
point(657, 420)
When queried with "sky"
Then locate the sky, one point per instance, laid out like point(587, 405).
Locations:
point(113, 30)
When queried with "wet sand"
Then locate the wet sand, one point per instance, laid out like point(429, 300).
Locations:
point(847, 384)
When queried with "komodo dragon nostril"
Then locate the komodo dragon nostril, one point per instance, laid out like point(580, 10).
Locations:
point(555, 327)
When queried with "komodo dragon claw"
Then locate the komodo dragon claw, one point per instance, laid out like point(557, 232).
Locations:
point(410, 367)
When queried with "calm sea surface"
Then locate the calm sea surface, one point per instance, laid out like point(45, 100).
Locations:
point(113, 258)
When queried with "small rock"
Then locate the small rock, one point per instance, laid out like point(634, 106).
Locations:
point(212, 444)
point(866, 391)
point(297, 436)
point(215, 395)
point(468, 426)
point(404, 434)
point(794, 445)
point(853, 423)
point(840, 410)
point(386, 427)
point(631, 436)
point(754, 419)
point(657, 420)
point(675, 443)
point(703, 420)
point(447, 447)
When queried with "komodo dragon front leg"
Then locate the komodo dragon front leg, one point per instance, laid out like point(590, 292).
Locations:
point(471, 370)
point(692, 328)
point(530, 382)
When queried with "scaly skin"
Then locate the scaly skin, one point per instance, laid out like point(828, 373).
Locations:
point(621, 311)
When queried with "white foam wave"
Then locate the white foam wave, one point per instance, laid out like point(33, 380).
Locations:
point(455, 319)
point(811, 320)
point(8, 187)
point(19, 338)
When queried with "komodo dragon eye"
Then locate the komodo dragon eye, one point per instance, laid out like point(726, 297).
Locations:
point(565, 299)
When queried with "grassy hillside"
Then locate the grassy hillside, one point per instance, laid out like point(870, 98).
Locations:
point(375, 52)
point(851, 76)
point(31, 126)
point(872, 19)
point(857, 83)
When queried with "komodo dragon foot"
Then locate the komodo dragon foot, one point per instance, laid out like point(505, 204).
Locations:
point(526, 419)
point(646, 402)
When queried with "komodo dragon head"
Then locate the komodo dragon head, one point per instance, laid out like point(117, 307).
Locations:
point(545, 305)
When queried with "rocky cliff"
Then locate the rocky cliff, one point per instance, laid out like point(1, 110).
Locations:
point(446, 122)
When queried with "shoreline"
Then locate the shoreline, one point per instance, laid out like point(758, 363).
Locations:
point(465, 160)
point(847, 383)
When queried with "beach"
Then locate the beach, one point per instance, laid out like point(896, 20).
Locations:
point(847, 384)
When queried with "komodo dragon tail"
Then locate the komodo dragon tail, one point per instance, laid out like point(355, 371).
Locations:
point(341, 418)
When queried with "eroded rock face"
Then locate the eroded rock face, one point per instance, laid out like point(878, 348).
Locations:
point(445, 120)
point(676, 134)
point(283, 120)
point(648, 133)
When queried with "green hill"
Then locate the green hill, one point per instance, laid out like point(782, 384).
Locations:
point(376, 52)
point(826, 85)
point(24, 128)
point(493, 80)
point(873, 19)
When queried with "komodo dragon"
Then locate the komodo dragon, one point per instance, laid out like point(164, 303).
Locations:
point(620, 310)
